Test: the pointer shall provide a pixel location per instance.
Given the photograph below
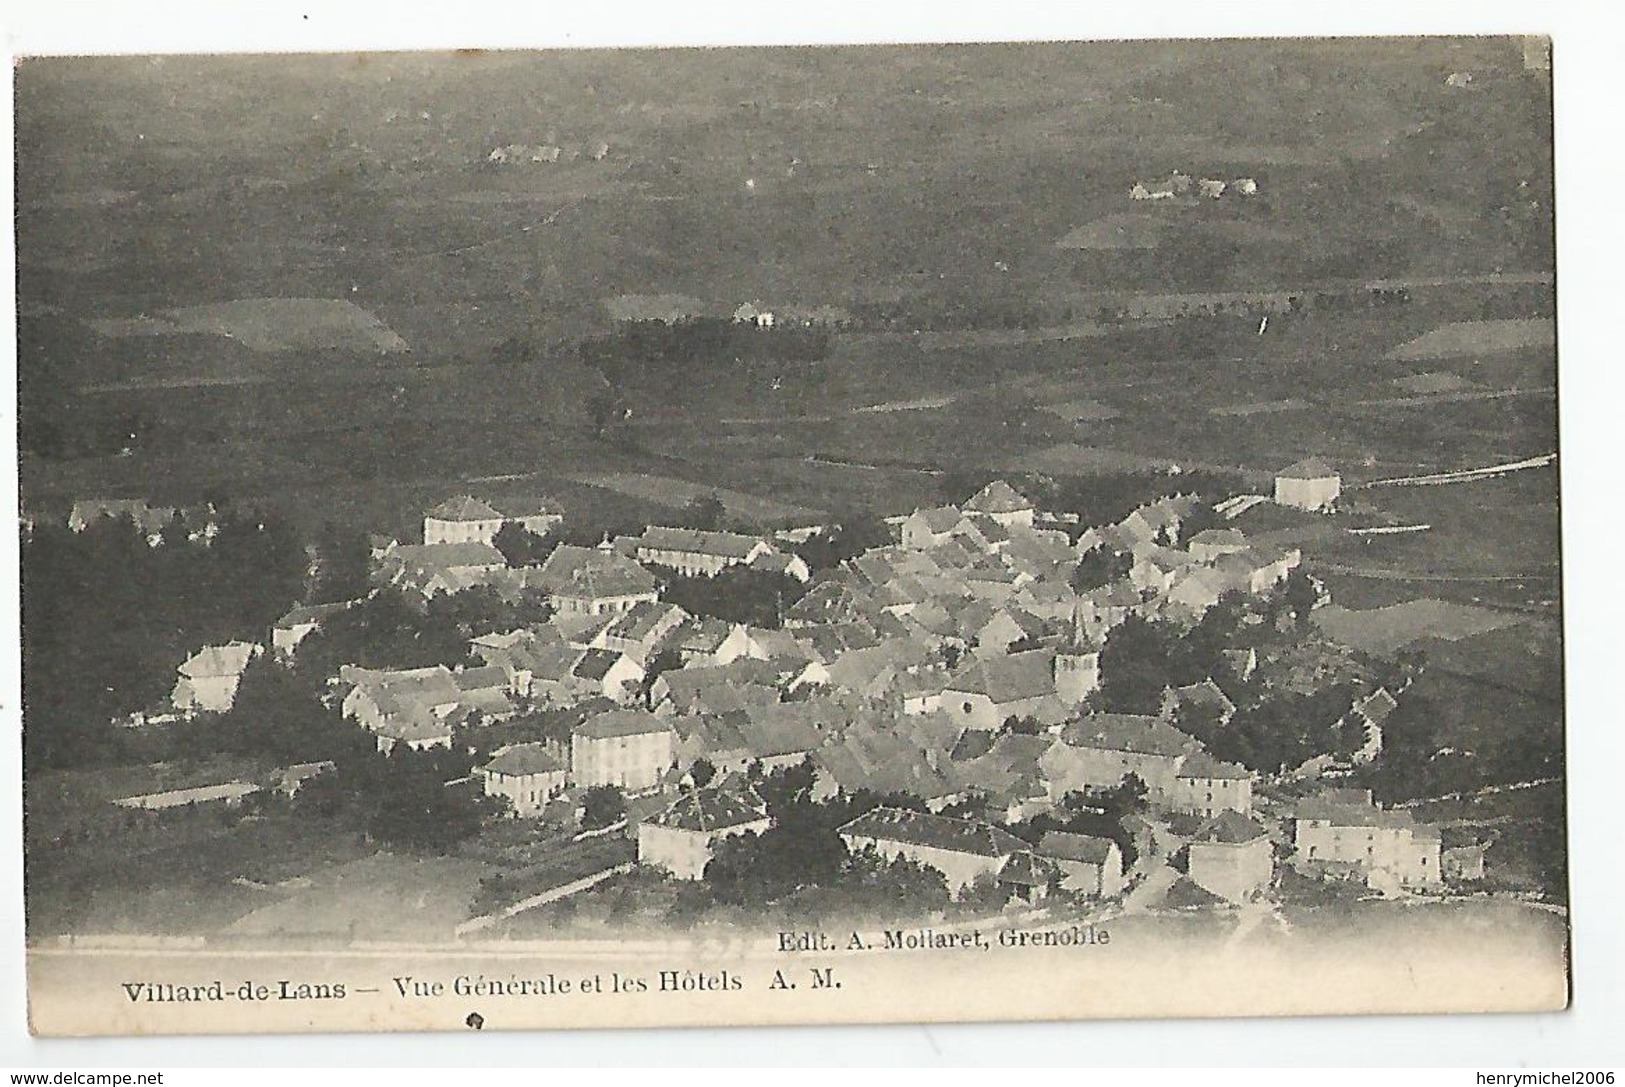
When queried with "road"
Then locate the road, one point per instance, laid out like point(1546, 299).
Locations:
point(1153, 872)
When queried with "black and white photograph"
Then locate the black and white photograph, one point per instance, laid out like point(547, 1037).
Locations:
point(779, 535)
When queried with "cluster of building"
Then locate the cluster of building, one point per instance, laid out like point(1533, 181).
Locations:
point(954, 664)
point(200, 524)
point(1178, 185)
point(763, 315)
point(517, 153)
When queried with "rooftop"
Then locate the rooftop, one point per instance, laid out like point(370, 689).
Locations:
point(464, 508)
point(1230, 828)
point(1076, 847)
point(1308, 468)
point(615, 723)
point(1135, 733)
point(934, 832)
point(712, 809)
point(521, 760)
point(998, 497)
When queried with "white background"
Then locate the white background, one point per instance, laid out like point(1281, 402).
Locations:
point(1589, 63)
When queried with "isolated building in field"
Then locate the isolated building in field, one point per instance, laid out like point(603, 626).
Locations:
point(1310, 484)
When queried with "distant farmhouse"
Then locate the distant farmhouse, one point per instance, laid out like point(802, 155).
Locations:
point(1180, 185)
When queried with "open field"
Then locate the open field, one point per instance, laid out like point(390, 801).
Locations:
point(268, 324)
point(1382, 631)
point(199, 873)
point(378, 897)
point(677, 493)
point(1470, 338)
point(491, 273)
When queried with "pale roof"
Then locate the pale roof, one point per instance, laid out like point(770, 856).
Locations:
point(1230, 827)
point(711, 809)
point(218, 661)
point(1007, 679)
point(621, 723)
point(934, 831)
point(730, 545)
point(1134, 733)
point(464, 508)
point(522, 760)
point(1086, 848)
point(998, 497)
point(1308, 468)
point(588, 573)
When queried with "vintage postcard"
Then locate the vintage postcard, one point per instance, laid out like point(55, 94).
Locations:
point(789, 535)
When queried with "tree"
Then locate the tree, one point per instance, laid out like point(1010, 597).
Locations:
point(1023, 726)
point(983, 894)
point(1100, 567)
point(702, 772)
point(705, 512)
point(343, 565)
point(738, 594)
point(1200, 653)
point(855, 533)
point(1135, 664)
point(667, 660)
point(276, 717)
point(522, 547)
point(106, 619)
point(603, 408)
point(416, 800)
point(1203, 720)
point(1299, 595)
point(602, 806)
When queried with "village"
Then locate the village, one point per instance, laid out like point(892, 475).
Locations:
point(1001, 708)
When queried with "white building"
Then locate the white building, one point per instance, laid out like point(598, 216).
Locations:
point(962, 850)
point(529, 775)
point(1310, 484)
point(630, 749)
point(683, 838)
